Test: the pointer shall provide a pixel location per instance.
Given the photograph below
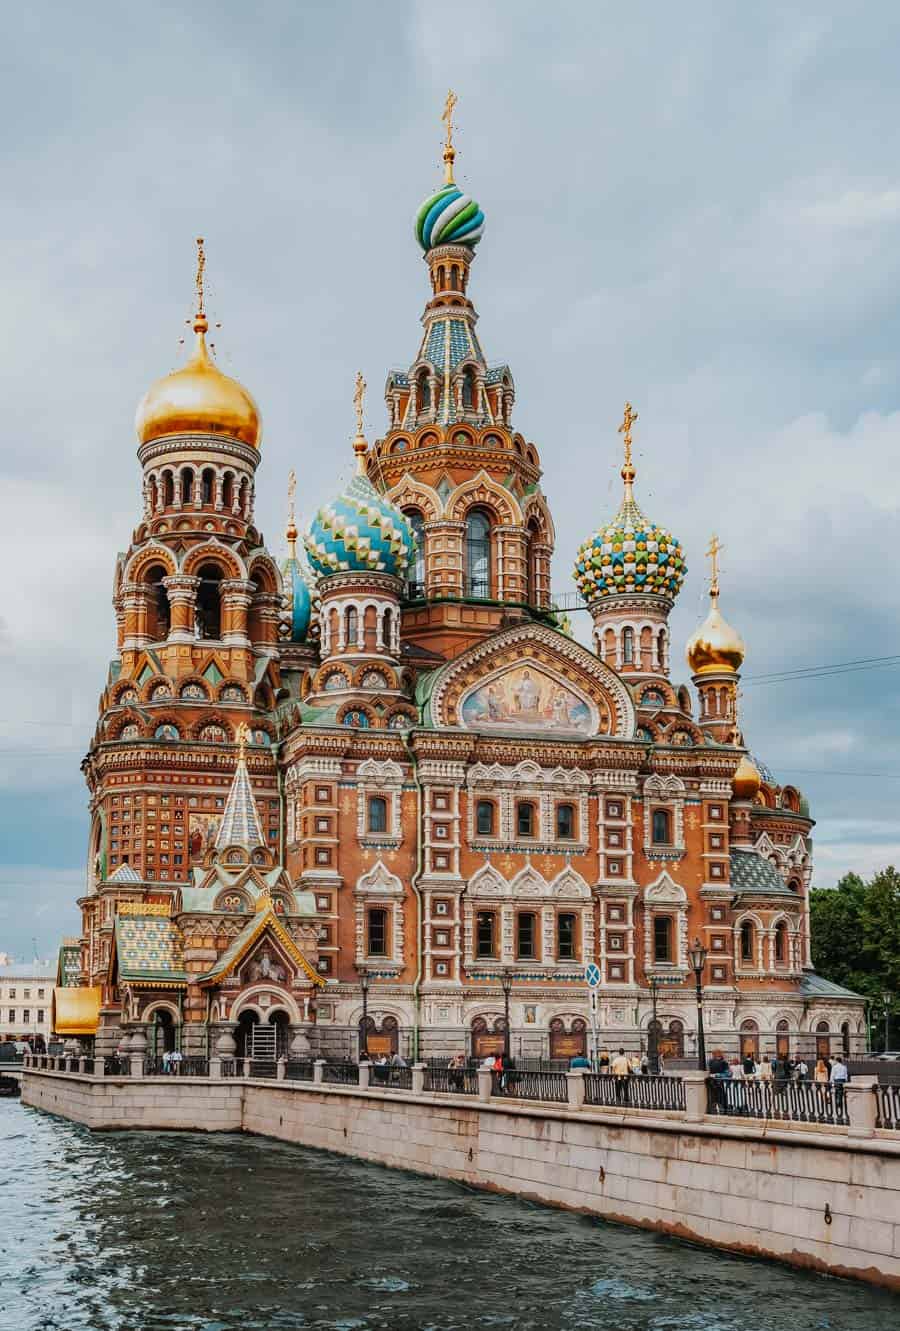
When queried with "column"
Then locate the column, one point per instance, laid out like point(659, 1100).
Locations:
point(237, 594)
point(182, 593)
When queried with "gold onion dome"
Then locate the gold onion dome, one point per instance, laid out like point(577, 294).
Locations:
point(199, 398)
point(746, 780)
point(715, 645)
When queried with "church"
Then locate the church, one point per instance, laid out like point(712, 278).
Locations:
point(378, 795)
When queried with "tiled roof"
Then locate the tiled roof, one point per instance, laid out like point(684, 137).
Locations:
point(816, 986)
point(240, 825)
point(148, 947)
point(125, 874)
point(751, 873)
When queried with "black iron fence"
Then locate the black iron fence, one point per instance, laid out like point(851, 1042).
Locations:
point(797, 1101)
point(298, 1069)
point(887, 1112)
point(341, 1074)
point(231, 1067)
point(386, 1077)
point(116, 1066)
point(636, 1092)
point(160, 1066)
point(451, 1081)
point(531, 1085)
point(263, 1067)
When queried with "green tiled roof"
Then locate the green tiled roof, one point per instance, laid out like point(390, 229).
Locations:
point(816, 986)
point(754, 875)
point(148, 947)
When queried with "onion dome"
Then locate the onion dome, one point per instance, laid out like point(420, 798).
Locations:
point(449, 217)
point(715, 646)
point(746, 780)
point(631, 554)
point(360, 531)
point(199, 398)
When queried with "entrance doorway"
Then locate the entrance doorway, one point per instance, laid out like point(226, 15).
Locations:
point(487, 1041)
point(162, 1033)
point(783, 1040)
point(750, 1040)
point(281, 1021)
point(823, 1040)
point(671, 1041)
point(383, 1039)
point(243, 1036)
point(568, 1044)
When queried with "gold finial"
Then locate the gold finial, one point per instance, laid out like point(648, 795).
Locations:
point(291, 532)
point(359, 443)
point(715, 547)
point(201, 324)
point(628, 472)
point(449, 150)
point(243, 735)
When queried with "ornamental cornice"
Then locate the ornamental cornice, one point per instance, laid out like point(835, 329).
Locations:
point(335, 584)
point(198, 443)
point(632, 601)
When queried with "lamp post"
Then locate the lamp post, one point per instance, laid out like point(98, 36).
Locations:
point(653, 1033)
point(506, 982)
point(886, 999)
point(364, 1036)
point(698, 954)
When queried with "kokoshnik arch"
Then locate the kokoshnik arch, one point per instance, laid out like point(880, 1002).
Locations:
point(388, 755)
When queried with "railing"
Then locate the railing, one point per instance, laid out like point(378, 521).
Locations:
point(341, 1074)
point(263, 1067)
point(452, 1081)
point(298, 1069)
point(387, 1078)
point(159, 1066)
point(532, 1085)
point(113, 1066)
point(797, 1101)
point(230, 1067)
point(636, 1092)
point(887, 1112)
point(89, 1066)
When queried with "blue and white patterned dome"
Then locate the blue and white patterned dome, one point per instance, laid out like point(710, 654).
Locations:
point(360, 532)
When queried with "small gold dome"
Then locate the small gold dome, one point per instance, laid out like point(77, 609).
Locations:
point(715, 645)
point(746, 780)
point(199, 399)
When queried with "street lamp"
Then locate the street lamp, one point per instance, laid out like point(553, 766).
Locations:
point(506, 982)
point(698, 954)
point(364, 1036)
point(653, 1033)
point(886, 999)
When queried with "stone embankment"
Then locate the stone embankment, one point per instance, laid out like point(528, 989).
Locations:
point(823, 1196)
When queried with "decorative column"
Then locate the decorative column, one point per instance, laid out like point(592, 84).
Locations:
point(237, 593)
point(182, 593)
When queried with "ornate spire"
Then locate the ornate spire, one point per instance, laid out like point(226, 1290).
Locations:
point(201, 323)
point(291, 530)
point(240, 825)
point(628, 472)
point(715, 548)
point(359, 443)
point(449, 150)
point(715, 647)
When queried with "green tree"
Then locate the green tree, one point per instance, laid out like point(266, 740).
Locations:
point(855, 931)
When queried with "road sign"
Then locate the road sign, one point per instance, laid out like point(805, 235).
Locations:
point(592, 974)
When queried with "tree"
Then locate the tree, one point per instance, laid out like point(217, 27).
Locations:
point(855, 931)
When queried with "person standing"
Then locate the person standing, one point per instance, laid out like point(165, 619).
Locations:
point(840, 1075)
point(621, 1070)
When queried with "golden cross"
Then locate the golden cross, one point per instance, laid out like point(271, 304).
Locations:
point(625, 429)
point(243, 734)
point(359, 397)
point(201, 266)
point(292, 490)
point(449, 150)
point(715, 546)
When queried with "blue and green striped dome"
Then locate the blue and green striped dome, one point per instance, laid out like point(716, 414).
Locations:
point(449, 217)
point(359, 532)
point(632, 555)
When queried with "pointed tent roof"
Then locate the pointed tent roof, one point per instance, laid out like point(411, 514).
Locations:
point(240, 825)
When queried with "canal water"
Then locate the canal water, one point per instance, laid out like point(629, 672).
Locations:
point(138, 1231)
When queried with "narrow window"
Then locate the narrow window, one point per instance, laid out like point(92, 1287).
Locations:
point(526, 936)
point(207, 485)
point(485, 928)
point(415, 586)
point(377, 932)
point(209, 611)
point(478, 554)
point(565, 822)
point(780, 944)
point(661, 828)
point(746, 941)
point(350, 627)
point(662, 938)
point(565, 937)
point(525, 818)
point(187, 485)
point(377, 814)
point(484, 817)
point(628, 646)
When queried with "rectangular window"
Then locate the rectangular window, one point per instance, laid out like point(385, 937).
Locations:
point(377, 932)
point(565, 937)
point(41, 993)
point(323, 794)
point(662, 938)
point(661, 827)
point(525, 819)
point(40, 1016)
point(377, 820)
point(565, 821)
point(485, 922)
point(12, 993)
point(12, 1016)
point(26, 1016)
point(526, 936)
point(484, 817)
point(26, 993)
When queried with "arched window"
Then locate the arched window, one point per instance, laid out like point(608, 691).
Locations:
point(158, 617)
point(351, 626)
point(423, 391)
point(661, 828)
point(228, 491)
point(415, 586)
point(478, 554)
point(534, 536)
point(749, 1040)
point(387, 630)
point(377, 813)
point(468, 389)
point(783, 1039)
point(781, 944)
point(208, 485)
point(209, 604)
point(747, 933)
point(187, 485)
point(168, 488)
point(661, 648)
point(628, 645)
point(484, 817)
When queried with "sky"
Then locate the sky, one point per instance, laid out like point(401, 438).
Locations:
point(694, 208)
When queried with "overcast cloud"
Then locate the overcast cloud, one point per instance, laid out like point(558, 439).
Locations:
point(695, 209)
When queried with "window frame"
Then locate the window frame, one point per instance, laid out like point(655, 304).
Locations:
point(380, 802)
point(482, 804)
point(668, 931)
point(480, 916)
point(534, 944)
point(665, 814)
point(384, 913)
point(572, 834)
point(572, 954)
point(531, 806)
